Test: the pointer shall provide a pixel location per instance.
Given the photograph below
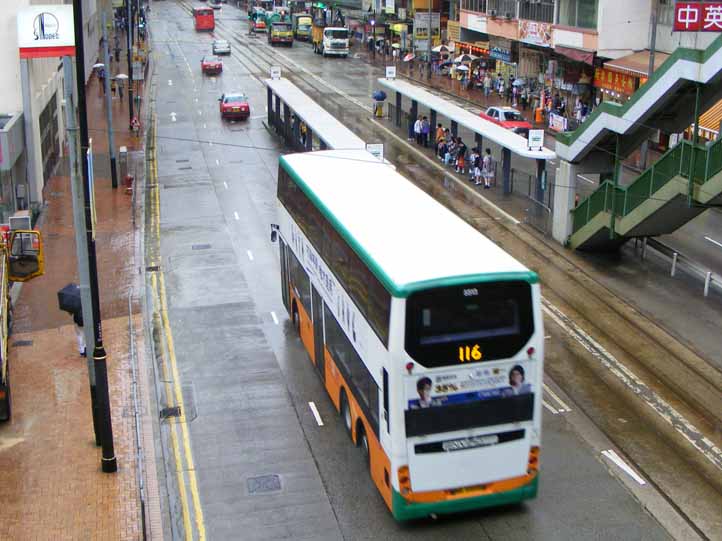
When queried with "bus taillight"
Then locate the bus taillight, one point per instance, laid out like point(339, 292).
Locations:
point(404, 481)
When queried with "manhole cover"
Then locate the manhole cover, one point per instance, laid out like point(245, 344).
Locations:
point(264, 484)
point(152, 268)
point(174, 411)
point(22, 343)
point(200, 246)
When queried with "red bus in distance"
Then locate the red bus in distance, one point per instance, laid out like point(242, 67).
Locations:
point(204, 19)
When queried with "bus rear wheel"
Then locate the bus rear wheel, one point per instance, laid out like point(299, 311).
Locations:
point(363, 442)
point(295, 319)
point(346, 413)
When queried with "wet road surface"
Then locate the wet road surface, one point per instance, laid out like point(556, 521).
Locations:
point(247, 381)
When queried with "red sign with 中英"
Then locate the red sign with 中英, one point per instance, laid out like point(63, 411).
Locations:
point(698, 17)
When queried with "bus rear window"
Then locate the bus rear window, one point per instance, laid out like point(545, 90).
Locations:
point(468, 323)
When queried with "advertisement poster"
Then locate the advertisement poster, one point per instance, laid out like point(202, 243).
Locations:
point(464, 387)
point(535, 33)
point(698, 17)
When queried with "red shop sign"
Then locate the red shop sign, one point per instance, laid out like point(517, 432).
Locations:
point(698, 17)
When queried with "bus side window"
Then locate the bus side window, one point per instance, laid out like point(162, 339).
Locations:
point(25, 255)
point(386, 400)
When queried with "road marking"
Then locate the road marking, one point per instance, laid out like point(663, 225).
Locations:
point(250, 254)
point(218, 162)
point(316, 414)
point(170, 83)
point(688, 431)
point(547, 337)
point(196, 98)
point(559, 401)
point(172, 117)
point(585, 178)
point(200, 112)
point(204, 126)
point(614, 457)
point(236, 216)
point(547, 406)
point(225, 185)
point(714, 241)
point(274, 317)
point(189, 468)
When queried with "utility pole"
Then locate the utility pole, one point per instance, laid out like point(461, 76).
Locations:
point(108, 104)
point(129, 41)
point(644, 150)
point(109, 462)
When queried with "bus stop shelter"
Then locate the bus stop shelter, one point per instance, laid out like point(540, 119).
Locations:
point(510, 142)
point(288, 106)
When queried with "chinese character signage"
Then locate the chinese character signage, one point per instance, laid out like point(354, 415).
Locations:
point(615, 81)
point(698, 17)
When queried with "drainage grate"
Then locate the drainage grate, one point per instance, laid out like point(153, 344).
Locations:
point(200, 246)
point(152, 268)
point(264, 484)
point(22, 343)
point(182, 161)
point(166, 413)
point(184, 168)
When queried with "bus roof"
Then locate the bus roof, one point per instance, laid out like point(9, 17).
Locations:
point(408, 239)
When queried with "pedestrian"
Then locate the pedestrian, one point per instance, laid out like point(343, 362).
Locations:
point(450, 153)
point(120, 90)
point(425, 131)
point(101, 79)
point(501, 88)
point(441, 149)
point(113, 85)
point(525, 98)
point(303, 131)
point(472, 162)
point(439, 133)
point(514, 95)
point(487, 169)
point(460, 156)
point(487, 85)
point(417, 130)
point(79, 332)
point(585, 110)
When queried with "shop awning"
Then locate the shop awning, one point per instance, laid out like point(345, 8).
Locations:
point(709, 121)
point(636, 64)
point(580, 55)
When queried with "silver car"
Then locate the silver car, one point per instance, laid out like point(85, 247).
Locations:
point(221, 46)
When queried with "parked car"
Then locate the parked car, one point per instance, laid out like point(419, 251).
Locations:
point(221, 46)
point(234, 105)
point(211, 65)
point(508, 118)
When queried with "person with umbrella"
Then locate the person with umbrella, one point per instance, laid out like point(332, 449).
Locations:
point(69, 301)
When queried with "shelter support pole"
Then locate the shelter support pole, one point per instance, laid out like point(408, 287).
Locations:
point(296, 133)
point(479, 139)
point(412, 117)
point(286, 122)
point(506, 170)
point(454, 128)
point(564, 196)
point(432, 124)
point(541, 180)
point(269, 107)
point(277, 114)
point(309, 139)
point(398, 109)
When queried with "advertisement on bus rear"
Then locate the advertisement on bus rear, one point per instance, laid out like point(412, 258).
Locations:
point(444, 389)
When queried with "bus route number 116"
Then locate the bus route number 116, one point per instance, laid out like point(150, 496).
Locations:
point(468, 354)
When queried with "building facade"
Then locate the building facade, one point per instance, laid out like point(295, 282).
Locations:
point(32, 134)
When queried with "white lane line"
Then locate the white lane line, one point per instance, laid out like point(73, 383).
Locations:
point(274, 317)
point(547, 337)
point(614, 457)
point(218, 162)
point(688, 431)
point(585, 178)
point(172, 117)
point(547, 406)
point(200, 112)
point(225, 185)
point(204, 126)
point(714, 241)
point(250, 254)
point(236, 216)
point(316, 414)
point(170, 82)
point(558, 400)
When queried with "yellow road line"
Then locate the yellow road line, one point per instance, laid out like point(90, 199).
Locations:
point(177, 390)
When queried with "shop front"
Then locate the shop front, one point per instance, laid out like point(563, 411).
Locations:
point(503, 55)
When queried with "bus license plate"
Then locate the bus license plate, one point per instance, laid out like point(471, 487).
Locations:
point(470, 443)
point(236, 109)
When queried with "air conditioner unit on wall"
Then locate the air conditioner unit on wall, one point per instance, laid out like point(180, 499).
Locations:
point(508, 16)
point(492, 13)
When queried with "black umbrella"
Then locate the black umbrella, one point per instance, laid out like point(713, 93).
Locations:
point(69, 299)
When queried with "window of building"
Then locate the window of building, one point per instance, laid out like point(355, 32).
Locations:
point(502, 7)
point(579, 13)
point(537, 11)
point(474, 5)
point(665, 12)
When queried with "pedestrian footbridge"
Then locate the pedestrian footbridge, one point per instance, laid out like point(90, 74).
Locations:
point(665, 102)
point(682, 184)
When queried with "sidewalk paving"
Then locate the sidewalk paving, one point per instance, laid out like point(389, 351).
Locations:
point(52, 484)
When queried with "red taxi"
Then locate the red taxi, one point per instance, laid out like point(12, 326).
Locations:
point(211, 65)
point(234, 105)
point(509, 118)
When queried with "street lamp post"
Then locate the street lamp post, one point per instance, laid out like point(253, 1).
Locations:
point(129, 41)
point(109, 463)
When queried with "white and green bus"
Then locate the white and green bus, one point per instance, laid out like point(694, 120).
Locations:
point(428, 337)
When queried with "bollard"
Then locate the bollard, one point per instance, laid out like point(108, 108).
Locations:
point(674, 263)
point(707, 281)
point(123, 161)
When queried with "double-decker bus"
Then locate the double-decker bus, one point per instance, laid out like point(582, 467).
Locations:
point(204, 18)
point(427, 336)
